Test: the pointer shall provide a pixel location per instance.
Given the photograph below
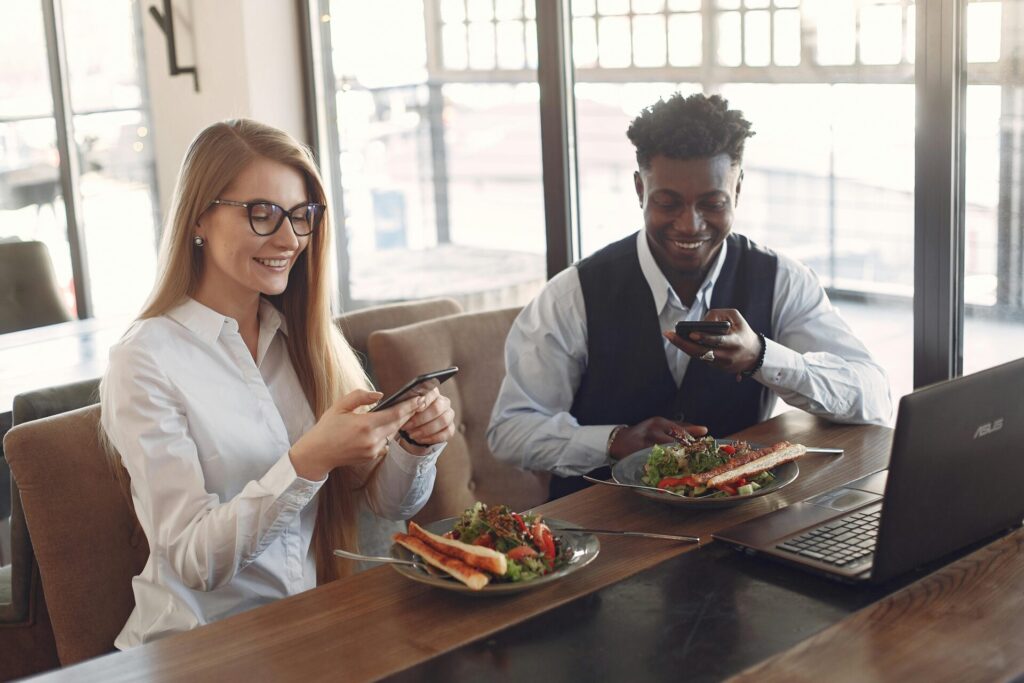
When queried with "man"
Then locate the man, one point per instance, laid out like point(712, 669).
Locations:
point(592, 377)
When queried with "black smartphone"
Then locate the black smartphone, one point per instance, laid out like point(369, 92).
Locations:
point(685, 327)
point(417, 386)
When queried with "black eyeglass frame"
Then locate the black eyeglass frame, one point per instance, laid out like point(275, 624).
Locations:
point(284, 213)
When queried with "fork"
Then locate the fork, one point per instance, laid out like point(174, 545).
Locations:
point(612, 482)
point(377, 558)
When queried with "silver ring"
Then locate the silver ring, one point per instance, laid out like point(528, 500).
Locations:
point(708, 357)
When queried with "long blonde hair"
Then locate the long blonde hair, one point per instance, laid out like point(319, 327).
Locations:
point(324, 362)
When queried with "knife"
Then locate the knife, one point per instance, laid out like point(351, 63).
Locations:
point(640, 534)
point(826, 451)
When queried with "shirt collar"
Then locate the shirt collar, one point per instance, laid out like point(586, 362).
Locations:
point(207, 323)
point(661, 290)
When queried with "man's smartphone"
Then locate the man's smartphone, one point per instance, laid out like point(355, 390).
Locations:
point(685, 327)
point(416, 387)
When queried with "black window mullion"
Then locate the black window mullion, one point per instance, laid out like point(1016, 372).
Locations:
point(557, 133)
point(939, 192)
point(53, 24)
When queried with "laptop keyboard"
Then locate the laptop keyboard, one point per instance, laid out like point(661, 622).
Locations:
point(841, 542)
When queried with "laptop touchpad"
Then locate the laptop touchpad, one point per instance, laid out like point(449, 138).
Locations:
point(844, 499)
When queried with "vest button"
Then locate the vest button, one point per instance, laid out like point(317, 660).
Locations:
point(472, 485)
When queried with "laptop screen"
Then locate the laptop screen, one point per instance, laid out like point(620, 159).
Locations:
point(956, 474)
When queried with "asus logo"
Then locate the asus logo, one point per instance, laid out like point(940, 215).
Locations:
point(988, 428)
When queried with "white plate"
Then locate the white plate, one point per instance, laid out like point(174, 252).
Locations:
point(584, 549)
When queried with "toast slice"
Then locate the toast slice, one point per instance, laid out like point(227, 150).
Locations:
point(778, 455)
point(487, 559)
point(460, 570)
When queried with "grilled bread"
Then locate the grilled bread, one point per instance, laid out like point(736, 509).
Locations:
point(460, 570)
point(477, 556)
point(770, 457)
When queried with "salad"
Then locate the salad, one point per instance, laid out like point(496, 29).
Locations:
point(532, 550)
point(677, 467)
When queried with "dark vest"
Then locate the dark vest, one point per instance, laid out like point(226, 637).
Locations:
point(628, 380)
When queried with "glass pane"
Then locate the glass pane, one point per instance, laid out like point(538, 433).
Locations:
point(511, 45)
point(994, 173)
point(613, 6)
point(881, 34)
point(836, 28)
point(508, 9)
point(24, 75)
point(31, 201)
point(479, 10)
point(613, 43)
point(684, 5)
point(103, 64)
point(481, 45)
point(648, 6)
point(584, 42)
point(757, 38)
point(983, 34)
point(118, 209)
point(729, 40)
point(685, 43)
point(786, 42)
point(649, 41)
point(441, 176)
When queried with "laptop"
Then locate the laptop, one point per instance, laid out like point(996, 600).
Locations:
point(955, 477)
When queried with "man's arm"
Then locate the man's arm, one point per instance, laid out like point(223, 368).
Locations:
point(545, 357)
point(815, 362)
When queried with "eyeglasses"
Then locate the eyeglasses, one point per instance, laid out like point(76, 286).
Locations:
point(265, 218)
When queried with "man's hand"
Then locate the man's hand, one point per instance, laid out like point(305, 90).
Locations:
point(649, 432)
point(734, 352)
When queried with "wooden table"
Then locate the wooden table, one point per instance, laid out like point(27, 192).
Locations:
point(378, 623)
point(54, 354)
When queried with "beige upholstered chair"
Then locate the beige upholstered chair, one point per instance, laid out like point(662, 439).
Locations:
point(28, 288)
point(357, 326)
point(85, 535)
point(475, 342)
point(26, 636)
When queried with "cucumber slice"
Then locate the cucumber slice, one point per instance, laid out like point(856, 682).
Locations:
point(745, 490)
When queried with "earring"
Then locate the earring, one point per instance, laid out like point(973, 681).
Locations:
point(198, 241)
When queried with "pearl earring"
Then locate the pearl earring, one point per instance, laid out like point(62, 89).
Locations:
point(199, 241)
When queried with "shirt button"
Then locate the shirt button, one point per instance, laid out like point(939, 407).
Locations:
point(462, 428)
point(472, 485)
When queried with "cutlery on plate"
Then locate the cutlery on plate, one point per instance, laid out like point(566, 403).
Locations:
point(376, 558)
point(640, 534)
point(611, 482)
point(826, 451)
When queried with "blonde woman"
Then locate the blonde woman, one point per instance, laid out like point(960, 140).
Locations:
point(236, 407)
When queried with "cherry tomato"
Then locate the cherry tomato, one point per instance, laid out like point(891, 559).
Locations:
point(521, 551)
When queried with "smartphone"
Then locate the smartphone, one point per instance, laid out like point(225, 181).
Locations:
point(685, 327)
point(416, 387)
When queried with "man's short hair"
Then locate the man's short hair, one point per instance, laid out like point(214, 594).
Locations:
point(694, 127)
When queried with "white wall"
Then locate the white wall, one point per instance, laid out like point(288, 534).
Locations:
point(248, 54)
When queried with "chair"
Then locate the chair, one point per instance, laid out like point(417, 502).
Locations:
point(467, 471)
point(374, 532)
point(85, 536)
point(28, 288)
point(26, 636)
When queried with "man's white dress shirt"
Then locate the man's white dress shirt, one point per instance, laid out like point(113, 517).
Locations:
point(204, 432)
point(814, 362)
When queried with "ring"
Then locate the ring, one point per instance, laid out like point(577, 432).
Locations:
point(709, 356)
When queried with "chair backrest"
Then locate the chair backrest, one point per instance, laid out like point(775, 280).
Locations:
point(475, 342)
point(357, 326)
point(85, 535)
point(28, 288)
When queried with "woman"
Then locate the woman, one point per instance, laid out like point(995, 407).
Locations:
point(234, 403)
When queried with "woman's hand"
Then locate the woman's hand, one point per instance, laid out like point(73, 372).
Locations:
point(432, 424)
point(343, 437)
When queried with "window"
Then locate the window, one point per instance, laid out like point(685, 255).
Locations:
point(993, 289)
point(108, 125)
point(438, 143)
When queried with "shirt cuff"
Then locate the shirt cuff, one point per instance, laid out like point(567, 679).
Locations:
point(284, 483)
point(782, 367)
point(592, 442)
point(414, 464)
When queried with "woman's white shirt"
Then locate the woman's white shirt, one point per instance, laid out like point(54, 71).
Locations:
point(204, 432)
